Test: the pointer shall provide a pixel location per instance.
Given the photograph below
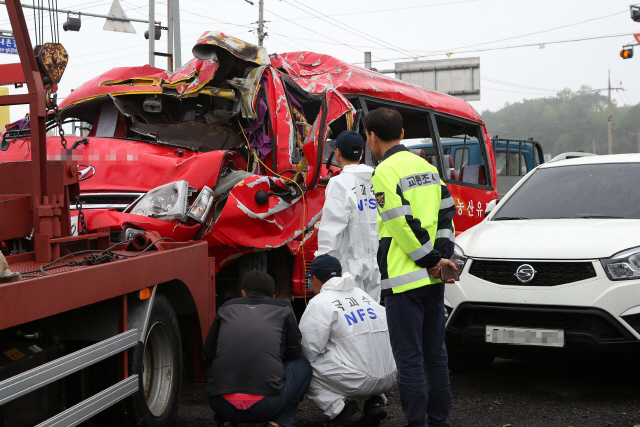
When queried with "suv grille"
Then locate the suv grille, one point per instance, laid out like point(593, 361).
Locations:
point(547, 273)
point(570, 319)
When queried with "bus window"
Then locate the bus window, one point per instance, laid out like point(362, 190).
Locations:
point(468, 166)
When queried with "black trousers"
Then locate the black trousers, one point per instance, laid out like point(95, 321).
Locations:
point(416, 329)
point(280, 409)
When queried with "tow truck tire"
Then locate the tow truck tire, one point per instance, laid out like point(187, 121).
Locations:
point(158, 363)
point(470, 362)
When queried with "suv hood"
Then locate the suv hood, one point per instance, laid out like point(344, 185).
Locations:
point(550, 238)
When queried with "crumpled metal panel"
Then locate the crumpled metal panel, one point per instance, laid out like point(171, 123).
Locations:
point(94, 88)
point(244, 223)
point(238, 48)
point(193, 77)
point(283, 126)
point(316, 73)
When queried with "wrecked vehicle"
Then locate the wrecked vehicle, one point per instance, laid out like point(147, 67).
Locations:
point(230, 149)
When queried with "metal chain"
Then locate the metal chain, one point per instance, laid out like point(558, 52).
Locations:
point(56, 113)
point(81, 222)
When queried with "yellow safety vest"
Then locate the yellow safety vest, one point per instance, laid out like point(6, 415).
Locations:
point(415, 220)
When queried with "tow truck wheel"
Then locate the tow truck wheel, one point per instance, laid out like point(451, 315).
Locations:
point(158, 363)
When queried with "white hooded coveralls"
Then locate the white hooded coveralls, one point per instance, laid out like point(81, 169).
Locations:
point(349, 230)
point(346, 339)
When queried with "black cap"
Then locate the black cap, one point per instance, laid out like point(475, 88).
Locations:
point(325, 266)
point(348, 142)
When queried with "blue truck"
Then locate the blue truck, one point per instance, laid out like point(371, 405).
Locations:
point(514, 157)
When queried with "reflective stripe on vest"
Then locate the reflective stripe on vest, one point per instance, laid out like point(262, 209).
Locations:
point(447, 203)
point(405, 279)
point(395, 213)
point(447, 234)
point(421, 251)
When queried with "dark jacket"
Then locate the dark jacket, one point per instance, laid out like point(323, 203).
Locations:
point(247, 344)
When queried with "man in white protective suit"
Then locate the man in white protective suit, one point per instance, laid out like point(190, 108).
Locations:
point(346, 339)
point(348, 229)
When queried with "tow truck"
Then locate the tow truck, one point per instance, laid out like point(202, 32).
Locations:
point(121, 244)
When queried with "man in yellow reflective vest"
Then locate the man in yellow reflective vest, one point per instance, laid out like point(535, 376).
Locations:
point(415, 227)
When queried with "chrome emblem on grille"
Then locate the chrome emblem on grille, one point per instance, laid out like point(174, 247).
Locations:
point(525, 273)
point(86, 172)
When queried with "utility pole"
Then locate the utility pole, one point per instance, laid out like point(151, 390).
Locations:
point(261, 34)
point(261, 21)
point(609, 89)
point(609, 119)
point(367, 60)
point(152, 33)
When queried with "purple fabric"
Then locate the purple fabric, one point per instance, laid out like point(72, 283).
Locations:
point(22, 124)
point(258, 139)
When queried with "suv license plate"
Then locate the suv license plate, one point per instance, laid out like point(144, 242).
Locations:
point(522, 336)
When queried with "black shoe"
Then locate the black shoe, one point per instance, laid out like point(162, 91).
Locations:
point(374, 411)
point(349, 416)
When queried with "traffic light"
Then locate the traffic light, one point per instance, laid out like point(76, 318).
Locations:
point(157, 34)
point(72, 24)
point(626, 53)
point(635, 13)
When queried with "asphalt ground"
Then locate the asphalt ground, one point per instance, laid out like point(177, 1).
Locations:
point(510, 394)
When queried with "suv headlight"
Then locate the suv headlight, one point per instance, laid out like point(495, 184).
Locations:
point(623, 265)
point(458, 258)
point(167, 202)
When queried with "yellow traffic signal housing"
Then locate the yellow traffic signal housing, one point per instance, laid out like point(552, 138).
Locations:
point(626, 53)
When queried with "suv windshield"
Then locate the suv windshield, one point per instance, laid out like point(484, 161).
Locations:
point(581, 191)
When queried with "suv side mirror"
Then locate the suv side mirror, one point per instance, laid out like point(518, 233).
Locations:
point(490, 206)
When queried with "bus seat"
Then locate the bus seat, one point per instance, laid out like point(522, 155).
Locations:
point(473, 174)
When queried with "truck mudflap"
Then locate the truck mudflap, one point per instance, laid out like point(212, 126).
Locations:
point(36, 378)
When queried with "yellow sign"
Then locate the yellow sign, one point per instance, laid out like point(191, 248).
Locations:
point(4, 111)
point(14, 354)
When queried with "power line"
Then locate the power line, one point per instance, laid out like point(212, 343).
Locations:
point(536, 32)
point(357, 33)
point(309, 29)
point(383, 10)
point(517, 85)
point(509, 47)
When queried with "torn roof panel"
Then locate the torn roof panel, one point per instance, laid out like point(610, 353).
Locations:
point(94, 87)
point(315, 72)
point(238, 48)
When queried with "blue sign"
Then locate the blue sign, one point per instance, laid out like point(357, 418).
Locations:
point(8, 45)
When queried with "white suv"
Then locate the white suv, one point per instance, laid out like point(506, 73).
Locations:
point(555, 267)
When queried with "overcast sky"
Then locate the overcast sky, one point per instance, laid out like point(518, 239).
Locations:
point(394, 31)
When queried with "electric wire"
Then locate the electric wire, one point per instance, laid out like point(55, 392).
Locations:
point(344, 27)
point(502, 82)
point(384, 10)
point(304, 202)
point(508, 47)
point(534, 33)
point(43, 268)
